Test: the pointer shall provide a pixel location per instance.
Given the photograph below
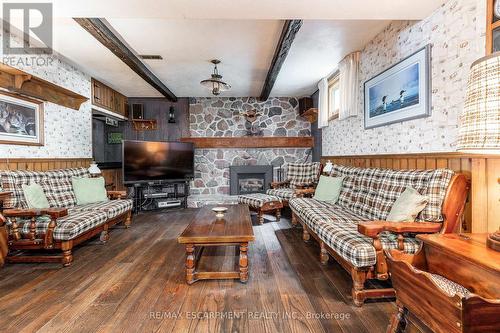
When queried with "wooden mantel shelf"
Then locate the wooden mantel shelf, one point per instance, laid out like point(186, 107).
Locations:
point(17, 81)
point(251, 142)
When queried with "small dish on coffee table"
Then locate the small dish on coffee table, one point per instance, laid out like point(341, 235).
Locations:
point(219, 212)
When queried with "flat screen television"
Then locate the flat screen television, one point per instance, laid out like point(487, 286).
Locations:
point(147, 161)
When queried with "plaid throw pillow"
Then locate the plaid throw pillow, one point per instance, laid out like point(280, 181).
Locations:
point(59, 192)
point(59, 189)
point(302, 173)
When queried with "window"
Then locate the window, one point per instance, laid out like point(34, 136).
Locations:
point(333, 98)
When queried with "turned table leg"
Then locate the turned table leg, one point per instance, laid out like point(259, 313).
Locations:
point(190, 263)
point(243, 262)
point(278, 214)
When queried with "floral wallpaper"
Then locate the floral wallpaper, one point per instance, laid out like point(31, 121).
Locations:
point(456, 32)
point(68, 132)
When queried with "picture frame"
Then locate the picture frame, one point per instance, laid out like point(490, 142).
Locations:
point(115, 138)
point(401, 92)
point(21, 120)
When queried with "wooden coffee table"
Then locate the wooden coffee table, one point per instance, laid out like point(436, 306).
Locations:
point(235, 229)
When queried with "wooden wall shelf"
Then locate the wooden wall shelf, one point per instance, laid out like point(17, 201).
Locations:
point(145, 124)
point(22, 83)
point(311, 115)
point(251, 142)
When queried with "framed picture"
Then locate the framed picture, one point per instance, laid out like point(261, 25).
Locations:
point(21, 120)
point(401, 92)
point(115, 138)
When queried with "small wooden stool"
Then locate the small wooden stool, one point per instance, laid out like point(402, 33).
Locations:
point(262, 203)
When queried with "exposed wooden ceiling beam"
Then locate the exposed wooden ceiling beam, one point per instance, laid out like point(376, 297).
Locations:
point(290, 29)
point(98, 28)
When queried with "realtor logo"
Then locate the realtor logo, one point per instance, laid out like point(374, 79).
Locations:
point(36, 22)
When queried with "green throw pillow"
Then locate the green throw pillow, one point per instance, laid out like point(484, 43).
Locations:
point(407, 206)
point(328, 189)
point(35, 197)
point(89, 190)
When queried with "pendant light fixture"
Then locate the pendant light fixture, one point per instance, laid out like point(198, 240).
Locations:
point(215, 83)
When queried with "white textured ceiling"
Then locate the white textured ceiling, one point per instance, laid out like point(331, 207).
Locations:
point(245, 48)
point(247, 9)
point(317, 50)
point(242, 33)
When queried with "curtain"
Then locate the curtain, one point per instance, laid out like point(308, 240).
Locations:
point(349, 85)
point(323, 103)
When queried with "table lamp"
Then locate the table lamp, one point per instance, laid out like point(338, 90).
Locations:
point(479, 128)
point(94, 169)
point(328, 167)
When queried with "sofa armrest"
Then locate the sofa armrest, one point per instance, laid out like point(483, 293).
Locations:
point(374, 228)
point(305, 185)
point(306, 192)
point(276, 185)
point(116, 194)
point(54, 213)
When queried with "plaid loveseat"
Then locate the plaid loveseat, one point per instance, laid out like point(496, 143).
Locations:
point(298, 175)
point(58, 189)
point(368, 195)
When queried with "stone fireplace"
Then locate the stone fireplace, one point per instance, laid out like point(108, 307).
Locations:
point(212, 117)
point(245, 179)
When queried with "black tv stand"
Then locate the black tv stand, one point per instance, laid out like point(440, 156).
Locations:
point(159, 195)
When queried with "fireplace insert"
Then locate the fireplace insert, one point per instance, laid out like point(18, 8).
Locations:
point(245, 179)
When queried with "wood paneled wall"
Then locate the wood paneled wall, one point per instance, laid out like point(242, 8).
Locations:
point(114, 179)
point(482, 212)
point(43, 164)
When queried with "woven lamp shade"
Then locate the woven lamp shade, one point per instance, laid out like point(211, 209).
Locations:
point(479, 129)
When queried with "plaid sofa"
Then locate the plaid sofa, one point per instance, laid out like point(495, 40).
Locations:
point(297, 174)
point(367, 195)
point(57, 186)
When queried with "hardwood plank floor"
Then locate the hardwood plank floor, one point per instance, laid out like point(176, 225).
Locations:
point(136, 283)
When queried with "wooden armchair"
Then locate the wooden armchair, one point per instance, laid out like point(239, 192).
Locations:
point(301, 180)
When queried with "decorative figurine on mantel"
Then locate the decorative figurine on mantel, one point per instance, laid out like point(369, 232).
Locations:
point(251, 125)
